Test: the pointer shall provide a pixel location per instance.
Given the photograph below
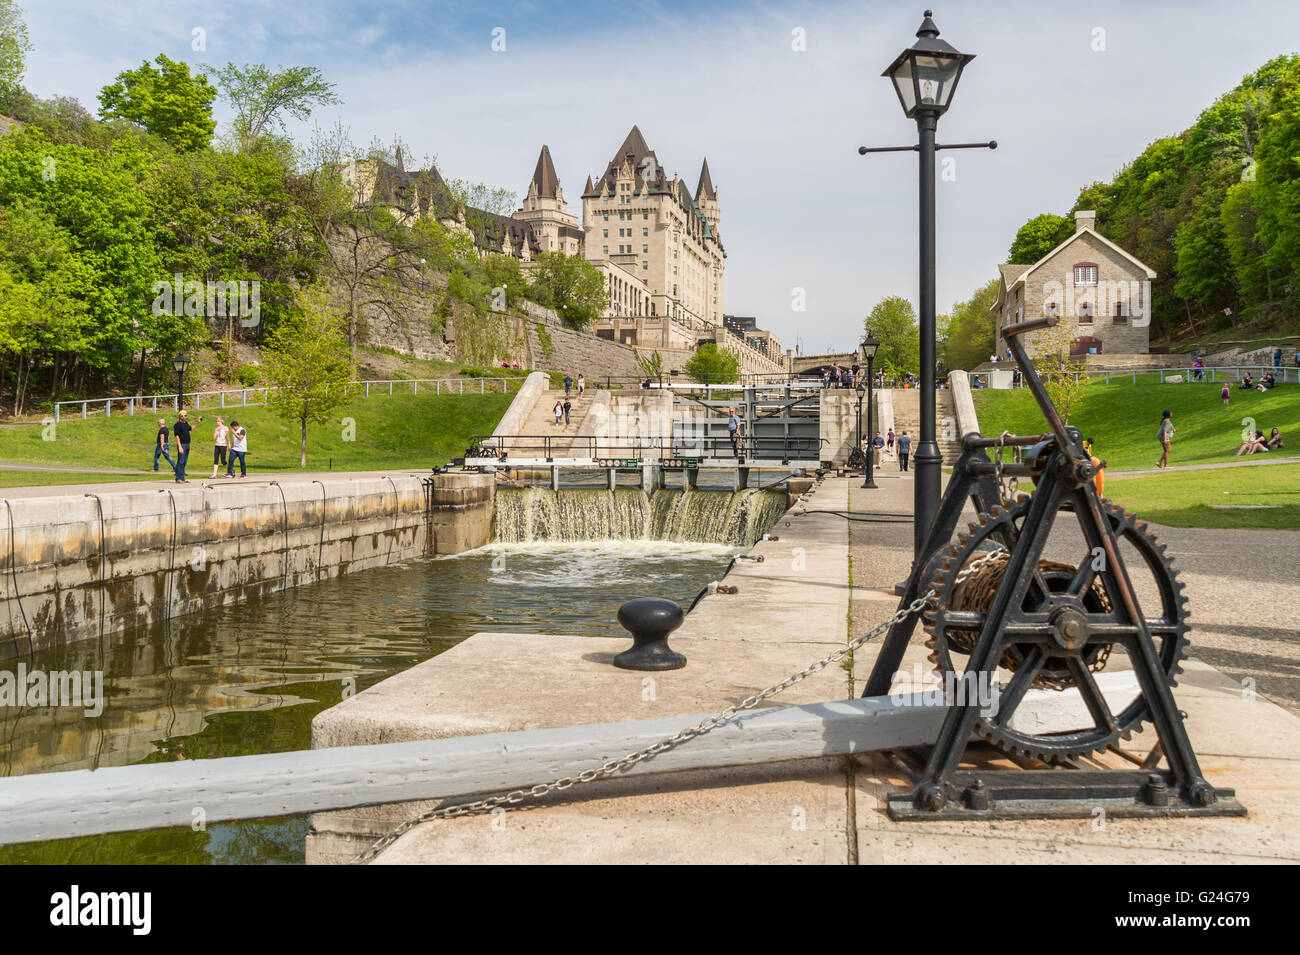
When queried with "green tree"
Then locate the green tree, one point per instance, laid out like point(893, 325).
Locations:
point(571, 285)
point(306, 359)
point(893, 322)
point(1239, 216)
point(972, 330)
point(14, 46)
point(710, 366)
point(167, 100)
point(1278, 179)
point(1060, 372)
point(262, 98)
point(652, 365)
point(1037, 237)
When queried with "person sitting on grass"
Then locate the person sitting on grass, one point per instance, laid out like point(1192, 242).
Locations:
point(1266, 382)
point(1254, 444)
point(1275, 440)
point(1247, 383)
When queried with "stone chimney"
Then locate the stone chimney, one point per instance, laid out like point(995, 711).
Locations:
point(1085, 220)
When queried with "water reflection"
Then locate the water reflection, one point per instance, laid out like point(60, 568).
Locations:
point(248, 678)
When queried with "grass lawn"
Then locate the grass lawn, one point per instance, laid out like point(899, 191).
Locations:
point(386, 431)
point(1123, 417)
point(1183, 498)
point(42, 478)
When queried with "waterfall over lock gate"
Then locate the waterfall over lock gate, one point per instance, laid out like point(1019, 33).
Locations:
point(738, 518)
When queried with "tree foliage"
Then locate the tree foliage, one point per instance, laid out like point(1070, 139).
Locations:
point(306, 359)
point(1037, 237)
point(14, 46)
point(893, 322)
point(571, 285)
point(712, 366)
point(166, 99)
point(262, 98)
point(972, 330)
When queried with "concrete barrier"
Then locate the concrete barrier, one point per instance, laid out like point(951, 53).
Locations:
point(963, 403)
point(76, 567)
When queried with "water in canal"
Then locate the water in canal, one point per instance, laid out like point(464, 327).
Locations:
point(248, 678)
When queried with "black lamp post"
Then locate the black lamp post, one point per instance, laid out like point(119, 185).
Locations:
point(925, 76)
point(180, 363)
point(867, 350)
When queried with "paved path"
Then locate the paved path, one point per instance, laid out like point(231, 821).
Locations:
point(1246, 460)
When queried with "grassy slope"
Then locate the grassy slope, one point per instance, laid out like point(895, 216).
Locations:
point(1183, 498)
point(1123, 419)
point(397, 431)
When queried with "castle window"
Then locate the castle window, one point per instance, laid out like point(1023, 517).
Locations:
point(644, 247)
point(645, 266)
point(645, 231)
point(605, 249)
point(606, 231)
point(645, 215)
point(1085, 273)
point(606, 216)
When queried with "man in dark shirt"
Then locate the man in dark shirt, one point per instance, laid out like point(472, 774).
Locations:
point(904, 449)
point(160, 445)
point(181, 430)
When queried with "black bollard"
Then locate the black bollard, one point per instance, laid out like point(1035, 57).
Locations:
point(650, 620)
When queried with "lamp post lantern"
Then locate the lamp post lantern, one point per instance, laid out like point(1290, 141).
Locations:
point(180, 363)
point(867, 350)
point(925, 76)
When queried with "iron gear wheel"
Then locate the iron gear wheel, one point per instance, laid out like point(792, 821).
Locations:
point(956, 615)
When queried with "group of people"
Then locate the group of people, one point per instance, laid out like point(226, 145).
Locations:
point(229, 444)
point(512, 363)
point(890, 442)
point(845, 376)
point(1258, 444)
point(564, 409)
point(1265, 383)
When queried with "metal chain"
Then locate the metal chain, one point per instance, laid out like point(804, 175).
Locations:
point(614, 766)
point(1007, 487)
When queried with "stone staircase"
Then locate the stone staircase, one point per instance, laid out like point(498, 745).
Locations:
point(540, 420)
point(907, 417)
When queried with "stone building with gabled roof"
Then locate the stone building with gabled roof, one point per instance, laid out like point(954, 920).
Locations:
point(1102, 291)
point(545, 212)
point(663, 238)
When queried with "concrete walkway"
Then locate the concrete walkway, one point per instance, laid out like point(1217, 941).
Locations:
point(1246, 460)
point(790, 610)
point(199, 481)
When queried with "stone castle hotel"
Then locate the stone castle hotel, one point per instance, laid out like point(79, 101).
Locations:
point(656, 243)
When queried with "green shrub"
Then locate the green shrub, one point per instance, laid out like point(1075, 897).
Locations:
point(249, 375)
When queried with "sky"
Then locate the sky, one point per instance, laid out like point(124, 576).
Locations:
point(777, 96)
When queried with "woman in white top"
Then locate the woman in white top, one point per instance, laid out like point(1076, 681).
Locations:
point(559, 411)
point(220, 437)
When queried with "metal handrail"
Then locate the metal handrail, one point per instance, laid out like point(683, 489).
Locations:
point(132, 402)
point(599, 447)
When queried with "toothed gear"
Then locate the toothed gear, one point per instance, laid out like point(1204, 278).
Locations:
point(956, 615)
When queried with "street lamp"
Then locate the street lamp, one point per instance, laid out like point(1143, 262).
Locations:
point(925, 76)
point(180, 363)
point(867, 351)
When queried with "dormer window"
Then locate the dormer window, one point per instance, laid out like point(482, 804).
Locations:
point(1085, 273)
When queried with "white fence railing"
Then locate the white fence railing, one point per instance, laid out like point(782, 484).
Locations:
point(1209, 374)
point(253, 397)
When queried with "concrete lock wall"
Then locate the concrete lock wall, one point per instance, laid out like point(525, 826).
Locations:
point(84, 565)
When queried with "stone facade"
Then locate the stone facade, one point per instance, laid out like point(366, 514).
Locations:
point(1089, 283)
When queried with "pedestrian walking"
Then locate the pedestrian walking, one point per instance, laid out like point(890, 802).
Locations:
point(238, 449)
point(220, 440)
point(734, 432)
point(582, 384)
point(1165, 435)
point(904, 449)
point(559, 411)
point(182, 431)
point(568, 406)
point(160, 445)
point(1277, 359)
point(568, 385)
point(889, 440)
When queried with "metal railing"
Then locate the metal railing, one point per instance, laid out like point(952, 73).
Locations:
point(603, 447)
point(254, 397)
point(1210, 374)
